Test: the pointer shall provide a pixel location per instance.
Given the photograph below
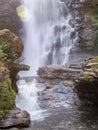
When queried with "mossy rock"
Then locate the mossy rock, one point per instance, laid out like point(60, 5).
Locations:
point(7, 96)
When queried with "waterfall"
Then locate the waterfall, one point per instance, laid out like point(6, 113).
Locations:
point(49, 35)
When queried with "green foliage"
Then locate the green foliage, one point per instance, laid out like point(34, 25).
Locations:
point(8, 55)
point(7, 96)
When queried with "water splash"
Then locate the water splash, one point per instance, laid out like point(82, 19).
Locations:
point(27, 99)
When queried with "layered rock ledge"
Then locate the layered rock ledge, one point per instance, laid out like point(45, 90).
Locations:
point(84, 75)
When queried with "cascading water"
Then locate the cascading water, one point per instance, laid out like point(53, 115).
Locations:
point(27, 99)
point(49, 37)
point(47, 33)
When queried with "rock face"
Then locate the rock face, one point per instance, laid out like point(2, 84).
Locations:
point(14, 69)
point(84, 26)
point(87, 91)
point(15, 118)
point(14, 41)
point(15, 47)
point(86, 32)
point(8, 15)
point(84, 75)
point(87, 85)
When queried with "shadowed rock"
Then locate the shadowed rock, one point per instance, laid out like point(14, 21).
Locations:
point(14, 69)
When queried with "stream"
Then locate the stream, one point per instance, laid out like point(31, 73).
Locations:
point(55, 108)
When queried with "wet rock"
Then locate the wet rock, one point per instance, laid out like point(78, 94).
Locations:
point(15, 119)
point(72, 23)
point(73, 35)
point(47, 95)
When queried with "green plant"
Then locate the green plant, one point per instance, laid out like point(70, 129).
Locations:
point(3, 113)
point(85, 77)
point(94, 20)
point(95, 59)
point(95, 11)
point(8, 55)
point(7, 96)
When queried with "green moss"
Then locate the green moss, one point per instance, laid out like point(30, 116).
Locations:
point(94, 20)
point(94, 68)
point(3, 113)
point(85, 77)
point(95, 11)
point(7, 96)
point(95, 59)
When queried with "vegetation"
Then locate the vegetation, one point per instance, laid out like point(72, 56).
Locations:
point(85, 77)
point(95, 59)
point(8, 55)
point(7, 97)
point(7, 94)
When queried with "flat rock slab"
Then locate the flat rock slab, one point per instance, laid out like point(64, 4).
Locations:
point(59, 72)
point(15, 118)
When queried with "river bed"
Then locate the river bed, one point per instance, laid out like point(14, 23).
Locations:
point(62, 110)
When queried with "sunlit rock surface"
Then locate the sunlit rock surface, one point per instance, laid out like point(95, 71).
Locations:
point(14, 41)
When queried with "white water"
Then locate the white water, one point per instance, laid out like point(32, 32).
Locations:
point(47, 37)
point(27, 99)
point(47, 40)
